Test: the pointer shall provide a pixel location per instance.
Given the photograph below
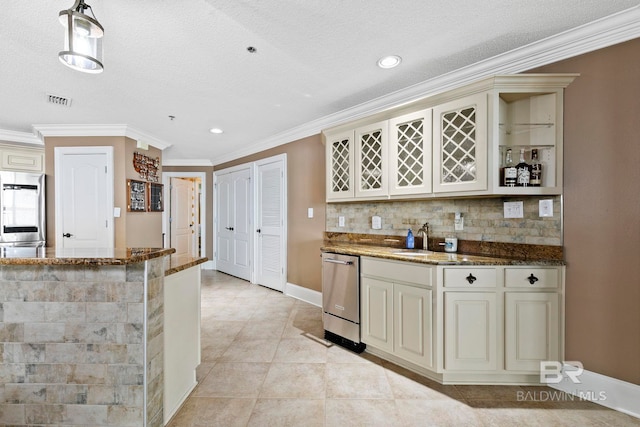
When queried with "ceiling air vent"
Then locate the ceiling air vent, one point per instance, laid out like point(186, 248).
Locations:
point(58, 100)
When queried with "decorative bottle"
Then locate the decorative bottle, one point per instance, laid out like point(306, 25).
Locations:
point(523, 171)
point(510, 172)
point(536, 169)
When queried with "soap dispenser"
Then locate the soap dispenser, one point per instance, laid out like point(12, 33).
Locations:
point(410, 241)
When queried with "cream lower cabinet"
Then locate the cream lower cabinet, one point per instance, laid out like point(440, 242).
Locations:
point(397, 309)
point(531, 330)
point(499, 322)
point(470, 333)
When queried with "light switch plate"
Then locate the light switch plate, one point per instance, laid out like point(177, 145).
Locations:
point(545, 208)
point(513, 210)
point(376, 222)
point(309, 212)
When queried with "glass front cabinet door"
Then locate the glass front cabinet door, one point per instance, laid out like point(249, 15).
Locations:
point(460, 145)
point(340, 166)
point(410, 139)
point(371, 160)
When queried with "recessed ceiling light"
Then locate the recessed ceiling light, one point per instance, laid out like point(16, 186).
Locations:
point(215, 130)
point(389, 61)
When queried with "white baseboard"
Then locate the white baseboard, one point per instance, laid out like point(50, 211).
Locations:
point(606, 391)
point(303, 294)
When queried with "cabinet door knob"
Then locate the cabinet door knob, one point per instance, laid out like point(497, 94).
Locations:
point(258, 231)
point(471, 278)
point(67, 235)
point(532, 279)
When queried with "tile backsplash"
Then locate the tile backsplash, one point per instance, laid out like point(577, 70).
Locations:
point(483, 219)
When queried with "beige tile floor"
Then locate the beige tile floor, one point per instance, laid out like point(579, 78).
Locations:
point(264, 363)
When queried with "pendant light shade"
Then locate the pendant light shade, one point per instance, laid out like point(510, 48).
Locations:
point(82, 39)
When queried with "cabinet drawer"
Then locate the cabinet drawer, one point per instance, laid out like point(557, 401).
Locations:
point(470, 277)
point(397, 271)
point(531, 277)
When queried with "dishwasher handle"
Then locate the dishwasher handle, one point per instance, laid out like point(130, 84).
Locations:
point(335, 261)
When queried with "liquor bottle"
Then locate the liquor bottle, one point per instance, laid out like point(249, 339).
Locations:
point(510, 172)
point(524, 171)
point(536, 169)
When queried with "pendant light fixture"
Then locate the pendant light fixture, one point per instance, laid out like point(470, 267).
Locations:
point(82, 39)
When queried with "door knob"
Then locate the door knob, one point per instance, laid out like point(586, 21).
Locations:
point(67, 235)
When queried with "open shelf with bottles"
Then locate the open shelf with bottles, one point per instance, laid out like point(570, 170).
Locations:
point(530, 120)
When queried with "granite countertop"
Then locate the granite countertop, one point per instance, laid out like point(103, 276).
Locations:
point(176, 263)
point(79, 256)
point(428, 257)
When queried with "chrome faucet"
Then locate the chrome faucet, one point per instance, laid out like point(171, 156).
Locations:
point(424, 232)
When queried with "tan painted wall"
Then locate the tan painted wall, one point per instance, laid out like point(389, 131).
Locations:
point(305, 189)
point(132, 229)
point(602, 210)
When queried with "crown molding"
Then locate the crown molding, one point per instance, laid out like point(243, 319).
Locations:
point(54, 130)
point(186, 162)
point(20, 137)
point(605, 32)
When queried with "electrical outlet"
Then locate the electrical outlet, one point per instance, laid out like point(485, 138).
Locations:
point(513, 210)
point(545, 208)
point(376, 222)
point(458, 224)
point(340, 221)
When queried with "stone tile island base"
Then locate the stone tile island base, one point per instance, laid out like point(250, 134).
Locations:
point(82, 343)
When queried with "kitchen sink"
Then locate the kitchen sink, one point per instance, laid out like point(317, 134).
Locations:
point(412, 252)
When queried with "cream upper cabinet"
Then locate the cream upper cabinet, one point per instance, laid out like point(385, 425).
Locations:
point(21, 159)
point(371, 155)
point(393, 155)
point(527, 114)
point(460, 145)
point(340, 165)
point(410, 150)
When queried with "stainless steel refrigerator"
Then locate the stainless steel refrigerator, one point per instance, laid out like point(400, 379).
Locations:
point(22, 202)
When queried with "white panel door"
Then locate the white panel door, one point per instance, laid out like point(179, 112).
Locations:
point(182, 216)
point(242, 224)
point(224, 214)
point(84, 197)
point(270, 225)
point(233, 223)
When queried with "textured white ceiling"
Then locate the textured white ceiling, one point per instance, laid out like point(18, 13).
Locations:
point(188, 59)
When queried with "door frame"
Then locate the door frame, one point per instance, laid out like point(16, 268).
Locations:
point(203, 206)
point(59, 152)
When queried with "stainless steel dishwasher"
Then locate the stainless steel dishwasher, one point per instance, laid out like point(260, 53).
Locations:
point(341, 300)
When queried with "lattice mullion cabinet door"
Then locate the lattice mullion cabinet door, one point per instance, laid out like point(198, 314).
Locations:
point(372, 160)
point(460, 149)
point(340, 165)
point(410, 146)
